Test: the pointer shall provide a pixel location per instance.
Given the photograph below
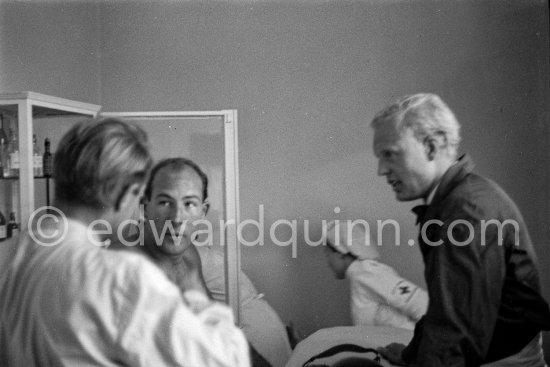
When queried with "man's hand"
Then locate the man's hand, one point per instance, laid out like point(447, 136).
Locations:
point(392, 353)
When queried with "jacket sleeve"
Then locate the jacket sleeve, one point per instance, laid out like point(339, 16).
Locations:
point(465, 274)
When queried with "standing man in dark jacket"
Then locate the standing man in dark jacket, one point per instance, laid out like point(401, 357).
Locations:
point(485, 303)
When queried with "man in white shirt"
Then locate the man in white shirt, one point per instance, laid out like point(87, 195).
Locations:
point(66, 301)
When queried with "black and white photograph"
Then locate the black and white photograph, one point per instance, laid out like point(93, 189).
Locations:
point(275, 183)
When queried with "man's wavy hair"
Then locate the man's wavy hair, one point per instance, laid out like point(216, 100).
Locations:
point(426, 114)
point(97, 161)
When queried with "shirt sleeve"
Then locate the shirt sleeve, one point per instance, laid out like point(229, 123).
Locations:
point(159, 327)
point(465, 275)
point(396, 291)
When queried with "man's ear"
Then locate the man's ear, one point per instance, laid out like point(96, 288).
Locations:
point(205, 207)
point(434, 144)
point(129, 195)
point(143, 203)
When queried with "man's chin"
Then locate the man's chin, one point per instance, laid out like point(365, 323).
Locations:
point(401, 196)
point(171, 247)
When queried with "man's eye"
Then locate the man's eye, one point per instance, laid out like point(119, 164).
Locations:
point(191, 204)
point(388, 154)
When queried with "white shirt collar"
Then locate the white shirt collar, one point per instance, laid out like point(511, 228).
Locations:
point(432, 194)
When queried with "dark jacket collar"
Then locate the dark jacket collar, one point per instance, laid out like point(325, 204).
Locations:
point(454, 176)
point(451, 178)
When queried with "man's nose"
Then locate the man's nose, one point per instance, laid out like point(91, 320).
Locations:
point(180, 214)
point(382, 168)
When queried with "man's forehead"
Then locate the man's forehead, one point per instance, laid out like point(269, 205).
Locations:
point(167, 176)
point(386, 134)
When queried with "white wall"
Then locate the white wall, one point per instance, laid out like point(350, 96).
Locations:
point(50, 47)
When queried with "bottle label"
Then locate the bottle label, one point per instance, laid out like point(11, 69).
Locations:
point(47, 165)
point(3, 232)
point(37, 163)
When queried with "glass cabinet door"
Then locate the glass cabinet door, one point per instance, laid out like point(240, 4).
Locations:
point(28, 119)
point(9, 173)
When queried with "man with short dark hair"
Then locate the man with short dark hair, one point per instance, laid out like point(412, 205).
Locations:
point(485, 300)
point(175, 200)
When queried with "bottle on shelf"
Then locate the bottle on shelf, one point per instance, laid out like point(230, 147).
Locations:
point(13, 151)
point(3, 147)
point(3, 227)
point(36, 158)
point(7, 149)
point(3, 161)
point(47, 159)
point(7, 171)
point(2, 130)
point(12, 227)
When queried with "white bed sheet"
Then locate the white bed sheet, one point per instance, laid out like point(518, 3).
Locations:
point(364, 336)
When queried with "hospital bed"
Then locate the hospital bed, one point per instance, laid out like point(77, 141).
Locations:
point(368, 337)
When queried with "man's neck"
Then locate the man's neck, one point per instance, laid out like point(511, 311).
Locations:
point(441, 169)
point(85, 216)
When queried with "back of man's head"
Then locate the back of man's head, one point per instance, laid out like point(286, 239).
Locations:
point(96, 161)
point(426, 115)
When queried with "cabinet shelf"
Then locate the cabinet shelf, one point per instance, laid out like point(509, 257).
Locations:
point(17, 178)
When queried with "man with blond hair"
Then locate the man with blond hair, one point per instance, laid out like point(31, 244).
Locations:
point(485, 303)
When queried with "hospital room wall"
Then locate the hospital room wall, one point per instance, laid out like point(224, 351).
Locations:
point(50, 48)
point(306, 79)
